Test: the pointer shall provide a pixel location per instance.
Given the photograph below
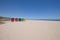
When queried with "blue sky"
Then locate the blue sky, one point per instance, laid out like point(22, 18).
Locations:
point(30, 9)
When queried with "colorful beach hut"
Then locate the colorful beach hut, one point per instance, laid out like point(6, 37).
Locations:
point(20, 19)
point(23, 19)
point(12, 19)
point(16, 19)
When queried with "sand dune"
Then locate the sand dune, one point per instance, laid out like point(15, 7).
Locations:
point(30, 30)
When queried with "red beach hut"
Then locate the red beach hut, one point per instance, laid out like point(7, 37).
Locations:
point(16, 19)
point(12, 19)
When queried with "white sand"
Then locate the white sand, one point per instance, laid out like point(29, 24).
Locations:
point(30, 30)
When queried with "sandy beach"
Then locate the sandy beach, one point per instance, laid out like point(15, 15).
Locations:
point(30, 30)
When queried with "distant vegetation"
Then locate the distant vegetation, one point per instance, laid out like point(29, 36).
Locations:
point(1, 22)
point(2, 19)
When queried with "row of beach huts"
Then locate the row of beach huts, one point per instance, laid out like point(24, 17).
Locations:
point(12, 19)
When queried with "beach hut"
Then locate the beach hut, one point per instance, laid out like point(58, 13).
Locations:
point(12, 19)
point(16, 19)
point(23, 19)
point(20, 19)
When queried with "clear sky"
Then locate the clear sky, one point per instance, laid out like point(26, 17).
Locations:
point(31, 9)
